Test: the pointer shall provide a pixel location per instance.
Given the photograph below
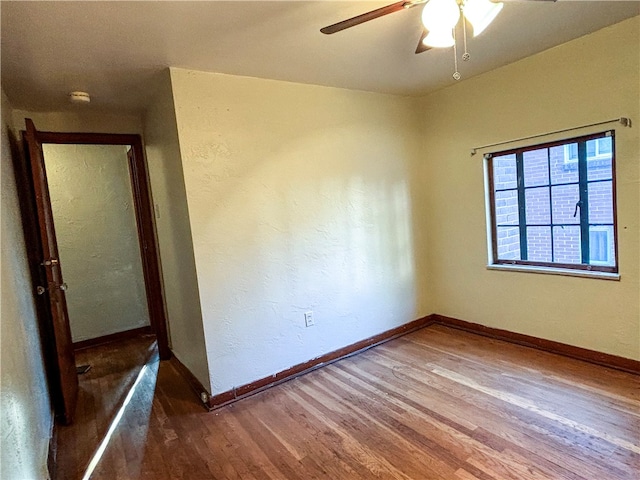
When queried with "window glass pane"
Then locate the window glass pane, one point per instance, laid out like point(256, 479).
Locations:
point(507, 207)
point(604, 145)
point(539, 244)
point(504, 172)
point(566, 244)
point(600, 202)
point(564, 164)
point(599, 168)
point(536, 168)
point(538, 209)
point(599, 147)
point(601, 245)
point(508, 243)
point(563, 204)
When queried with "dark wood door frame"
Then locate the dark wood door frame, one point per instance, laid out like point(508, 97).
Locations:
point(144, 220)
point(146, 234)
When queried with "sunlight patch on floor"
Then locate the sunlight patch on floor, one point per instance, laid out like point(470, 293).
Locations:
point(105, 441)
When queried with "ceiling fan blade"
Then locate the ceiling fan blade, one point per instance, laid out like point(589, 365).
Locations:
point(421, 46)
point(365, 17)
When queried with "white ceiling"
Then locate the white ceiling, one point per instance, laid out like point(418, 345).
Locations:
point(115, 50)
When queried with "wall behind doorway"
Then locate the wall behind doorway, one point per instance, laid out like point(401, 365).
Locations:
point(98, 245)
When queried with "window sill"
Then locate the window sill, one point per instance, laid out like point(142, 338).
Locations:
point(556, 271)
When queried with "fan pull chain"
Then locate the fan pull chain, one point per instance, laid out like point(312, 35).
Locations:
point(456, 74)
point(465, 55)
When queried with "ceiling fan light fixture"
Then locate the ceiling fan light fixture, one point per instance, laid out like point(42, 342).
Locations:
point(440, 14)
point(481, 13)
point(440, 38)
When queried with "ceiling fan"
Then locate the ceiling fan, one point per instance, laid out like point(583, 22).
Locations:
point(439, 18)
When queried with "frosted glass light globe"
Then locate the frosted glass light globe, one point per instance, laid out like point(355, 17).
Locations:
point(440, 14)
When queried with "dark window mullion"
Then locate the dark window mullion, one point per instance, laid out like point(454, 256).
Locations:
point(553, 254)
point(522, 211)
point(559, 184)
point(584, 201)
point(600, 180)
point(561, 225)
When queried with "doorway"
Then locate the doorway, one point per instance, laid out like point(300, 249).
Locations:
point(110, 284)
point(95, 225)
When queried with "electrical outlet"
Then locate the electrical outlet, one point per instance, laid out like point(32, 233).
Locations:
point(308, 319)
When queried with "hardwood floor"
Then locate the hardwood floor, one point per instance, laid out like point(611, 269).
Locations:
point(114, 368)
point(435, 404)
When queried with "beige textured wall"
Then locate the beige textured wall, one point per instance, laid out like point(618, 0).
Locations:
point(94, 215)
point(299, 199)
point(174, 233)
point(26, 418)
point(591, 79)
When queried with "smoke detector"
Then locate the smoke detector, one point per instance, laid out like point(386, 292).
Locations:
point(79, 97)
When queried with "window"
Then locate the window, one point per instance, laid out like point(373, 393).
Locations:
point(553, 205)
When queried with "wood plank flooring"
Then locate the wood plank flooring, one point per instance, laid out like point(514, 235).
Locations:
point(114, 368)
point(435, 404)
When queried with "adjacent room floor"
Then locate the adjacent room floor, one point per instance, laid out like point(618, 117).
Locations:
point(435, 404)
